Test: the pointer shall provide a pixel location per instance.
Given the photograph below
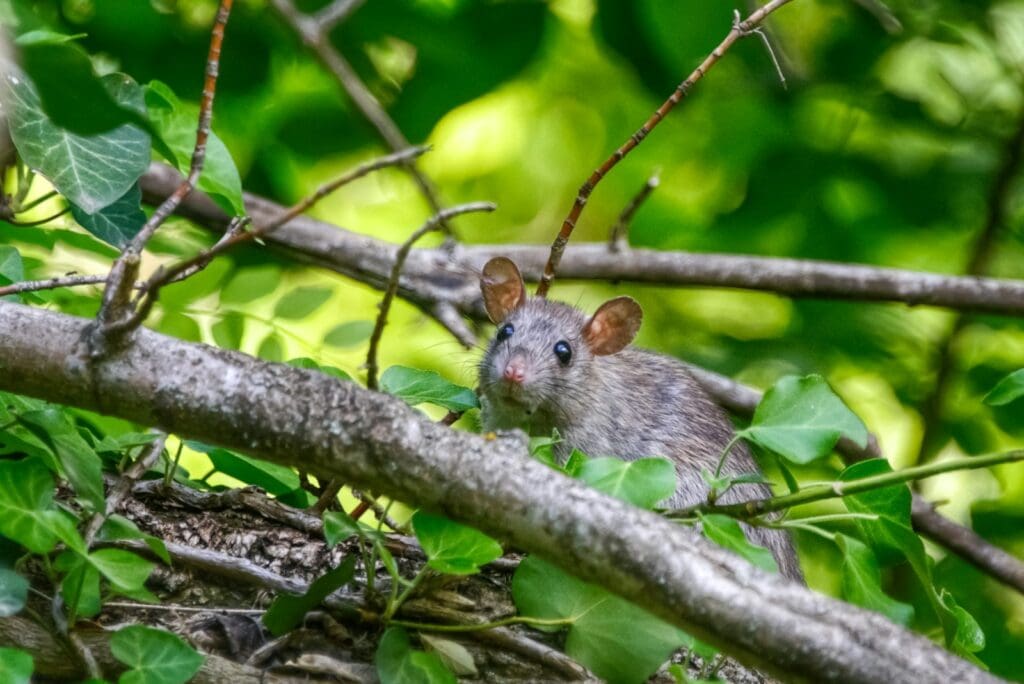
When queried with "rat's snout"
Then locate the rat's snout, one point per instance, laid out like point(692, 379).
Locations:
point(515, 371)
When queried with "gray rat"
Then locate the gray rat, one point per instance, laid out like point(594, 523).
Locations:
point(550, 367)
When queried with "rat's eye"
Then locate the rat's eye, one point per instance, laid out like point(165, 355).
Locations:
point(505, 332)
point(563, 351)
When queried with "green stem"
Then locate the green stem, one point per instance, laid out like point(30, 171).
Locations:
point(36, 202)
point(840, 488)
point(395, 603)
point(517, 620)
point(725, 454)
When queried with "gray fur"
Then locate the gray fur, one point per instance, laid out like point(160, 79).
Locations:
point(632, 404)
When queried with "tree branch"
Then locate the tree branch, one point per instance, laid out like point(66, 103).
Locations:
point(434, 278)
point(375, 441)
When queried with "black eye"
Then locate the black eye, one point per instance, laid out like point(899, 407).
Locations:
point(505, 332)
point(563, 351)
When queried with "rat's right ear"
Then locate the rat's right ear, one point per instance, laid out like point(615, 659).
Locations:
point(502, 288)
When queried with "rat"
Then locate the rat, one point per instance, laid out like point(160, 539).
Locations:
point(550, 367)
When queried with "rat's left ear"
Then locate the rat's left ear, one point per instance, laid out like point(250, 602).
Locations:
point(613, 326)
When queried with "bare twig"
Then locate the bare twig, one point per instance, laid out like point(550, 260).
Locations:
point(617, 237)
point(235, 235)
point(739, 30)
point(52, 283)
point(125, 269)
point(432, 279)
point(314, 34)
point(336, 13)
point(433, 223)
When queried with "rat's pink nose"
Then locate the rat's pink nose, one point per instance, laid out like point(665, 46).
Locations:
point(514, 372)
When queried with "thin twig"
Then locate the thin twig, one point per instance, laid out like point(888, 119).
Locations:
point(618, 236)
point(433, 223)
point(125, 269)
point(123, 486)
point(739, 30)
point(53, 284)
point(314, 35)
point(235, 236)
point(336, 13)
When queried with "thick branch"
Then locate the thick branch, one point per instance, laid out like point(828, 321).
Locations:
point(297, 417)
point(434, 278)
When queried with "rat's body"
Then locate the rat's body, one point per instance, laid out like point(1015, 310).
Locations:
point(550, 367)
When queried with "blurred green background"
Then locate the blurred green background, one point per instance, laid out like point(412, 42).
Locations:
point(882, 148)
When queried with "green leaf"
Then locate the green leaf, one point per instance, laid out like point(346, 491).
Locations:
point(79, 463)
point(862, 582)
point(427, 387)
point(13, 592)
point(272, 478)
point(15, 666)
point(310, 364)
point(453, 548)
point(288, 611)
point(26, 508)
point(301, 302)
point(801, 419)
point(617, 640)
point(91, 172)
point(271, 348)
point(154, 656)
point(968, 637)
point(176, 123)
point(339, 526)
point(1006, 390)
point(70, 93)
point(643, 482)
point(125, 571)
point(349, 334)
point(80, 587)
point(574, 464)
point(122, 442)
point(454, 655)
point(117, 527)
point(397, 663)
point(118, 222)
point(727, 533)
point(11, 270)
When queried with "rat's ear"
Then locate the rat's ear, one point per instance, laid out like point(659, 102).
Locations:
point(613, 326)
point(502, 288)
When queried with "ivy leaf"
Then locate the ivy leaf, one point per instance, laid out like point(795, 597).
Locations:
point(118, 222)
point(453, 654)
point(127, 440)
point(1006, 390)
point(801, 419)
point(154, 656)
point(13, 592)
point(301, 302)
point(310, 364)
point(452, 548)
point(175, 123)
point(15, 666)
point(26, 508)
point(11, 270)
point(339, 526)
point(70, 93)
point(727, 533)
point(80, 587)
point(349, 334)
point(79, 463)
point(615, 639)
point(398, 663)
point(427, 387)
point(126, 572)
point(118, 527)
point(288, 611)
point(862, 582)
point(643, 482)
point(968, 637)
point(272, 478)
point(91, 172)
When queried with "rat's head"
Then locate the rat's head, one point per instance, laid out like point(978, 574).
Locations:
point(544, 349)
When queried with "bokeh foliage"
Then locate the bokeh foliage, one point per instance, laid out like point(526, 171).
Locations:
point(881, 149)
